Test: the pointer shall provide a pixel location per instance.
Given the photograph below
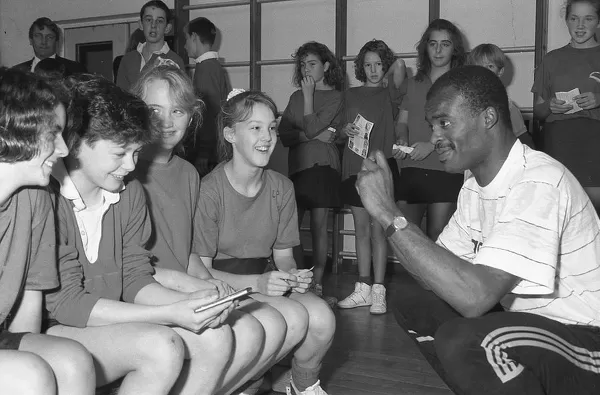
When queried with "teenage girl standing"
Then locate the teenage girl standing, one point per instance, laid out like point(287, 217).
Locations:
point(308, 127)
point(426, 187)
point(573, 137)
point(378, 104)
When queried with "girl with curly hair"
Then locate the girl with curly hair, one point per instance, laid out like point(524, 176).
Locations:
point(308, 127)
point(378, 104)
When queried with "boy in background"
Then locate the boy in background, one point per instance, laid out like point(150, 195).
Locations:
point(491, 57)
point(155, 22)
point(211, 84)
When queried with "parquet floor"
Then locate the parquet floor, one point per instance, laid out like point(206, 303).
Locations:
point(370, 354)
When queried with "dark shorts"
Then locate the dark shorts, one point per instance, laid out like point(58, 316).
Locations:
point(317, 187)
point(574, 143)
point(9, 340)
point(349, 195)
point(241, 265)
point(429, 186)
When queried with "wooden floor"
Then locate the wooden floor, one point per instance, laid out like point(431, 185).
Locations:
point(370, 354)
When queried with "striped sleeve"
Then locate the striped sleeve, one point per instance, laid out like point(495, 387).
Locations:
point(525, 238)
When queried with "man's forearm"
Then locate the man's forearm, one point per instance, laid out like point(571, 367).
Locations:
point(463, 285)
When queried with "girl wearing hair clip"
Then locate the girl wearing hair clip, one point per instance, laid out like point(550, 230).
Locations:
point(308, 127)
point(172, 187)
point(248, 217)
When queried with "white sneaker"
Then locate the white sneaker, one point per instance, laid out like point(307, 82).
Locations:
point(360, 297)
point(379, 305)
point(314, 389)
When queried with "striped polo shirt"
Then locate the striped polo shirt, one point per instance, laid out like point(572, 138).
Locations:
point(535, 221)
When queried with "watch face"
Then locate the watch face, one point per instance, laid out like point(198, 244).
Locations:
point(400, 223)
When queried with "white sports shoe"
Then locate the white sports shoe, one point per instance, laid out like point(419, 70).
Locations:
point(314, 389)
point(379, 305)
point(360, 297)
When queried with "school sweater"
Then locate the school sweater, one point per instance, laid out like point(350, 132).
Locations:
point(27, 246)
point(327, 113)
point(567, 68)
point(123, 266)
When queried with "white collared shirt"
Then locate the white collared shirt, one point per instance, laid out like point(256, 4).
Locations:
point(89, 219)
point(163, 51)
point(206, 56)
point(37, 60)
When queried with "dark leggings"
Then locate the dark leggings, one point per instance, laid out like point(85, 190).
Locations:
point(501, 352)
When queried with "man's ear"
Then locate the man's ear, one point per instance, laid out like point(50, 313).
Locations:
point(501, 72)
point(168, 28)
point(490, 117)
point(141, 25)
point(229, 134)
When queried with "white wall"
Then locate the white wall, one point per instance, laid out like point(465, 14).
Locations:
point(17, 15)
point(508, 24)
point(558, 35)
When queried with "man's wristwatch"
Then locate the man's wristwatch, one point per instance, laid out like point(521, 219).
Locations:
point(398, 223)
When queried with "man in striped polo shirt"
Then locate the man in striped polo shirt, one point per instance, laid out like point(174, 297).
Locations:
point(515, 307)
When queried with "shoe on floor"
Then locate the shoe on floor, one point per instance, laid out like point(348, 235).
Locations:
point(379, 305)
point(281, 381)
point(314, 389)
point(256, 387)
point(360, 297)
point(317, 289)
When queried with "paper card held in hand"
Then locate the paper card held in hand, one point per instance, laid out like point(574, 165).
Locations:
point(568, 98)
point(359, 144)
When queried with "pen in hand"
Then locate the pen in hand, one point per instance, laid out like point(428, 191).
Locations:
point(300, 272)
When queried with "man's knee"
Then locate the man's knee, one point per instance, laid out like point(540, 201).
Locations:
point(453, 340)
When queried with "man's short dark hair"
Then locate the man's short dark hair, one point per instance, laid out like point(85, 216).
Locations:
point(99, 110)
point(43, 22)
point(479, 87)
point(204, 28)
point(27, 105)
point(157, 4)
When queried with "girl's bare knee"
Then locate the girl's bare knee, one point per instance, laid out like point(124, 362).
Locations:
point(254, 333)
point(216, 343)
point(33, 375)
point(297, 319)
point(74, 361)
point(163, 349)
point(321, 319)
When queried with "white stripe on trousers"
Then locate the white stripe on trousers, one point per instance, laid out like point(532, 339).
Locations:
point(504, 338)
